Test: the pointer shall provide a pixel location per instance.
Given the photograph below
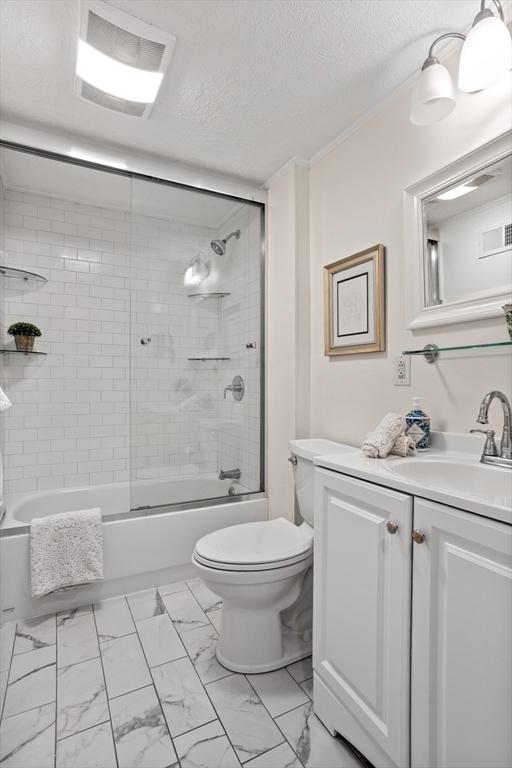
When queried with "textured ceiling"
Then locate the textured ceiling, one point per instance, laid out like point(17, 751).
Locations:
point(251, 83)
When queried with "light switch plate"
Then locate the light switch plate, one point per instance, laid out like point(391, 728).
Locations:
point(402, 371)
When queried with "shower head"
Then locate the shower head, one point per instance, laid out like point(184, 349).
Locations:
point(219, 246)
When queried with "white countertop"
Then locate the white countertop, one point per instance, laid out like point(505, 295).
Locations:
point(446, 446)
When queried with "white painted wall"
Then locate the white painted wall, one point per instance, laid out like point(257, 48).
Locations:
point(355, 202)
point(288, 326)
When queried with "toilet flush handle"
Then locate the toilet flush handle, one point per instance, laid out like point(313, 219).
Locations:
point(292, 459)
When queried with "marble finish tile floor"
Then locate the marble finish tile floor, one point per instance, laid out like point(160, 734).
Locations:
point(133, 682)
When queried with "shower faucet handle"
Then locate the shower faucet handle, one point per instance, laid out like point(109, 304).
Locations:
point(237, 388)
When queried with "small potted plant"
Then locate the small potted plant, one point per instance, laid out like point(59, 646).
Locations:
point(24, 335)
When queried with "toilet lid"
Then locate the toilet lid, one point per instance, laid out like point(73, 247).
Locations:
point(255, 546)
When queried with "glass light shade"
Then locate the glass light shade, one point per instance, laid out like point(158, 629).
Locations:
point(197, 271)
point(433, 96)
point(115, 78)
point(486, 54)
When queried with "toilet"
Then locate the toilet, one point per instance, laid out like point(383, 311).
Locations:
point(262, 571)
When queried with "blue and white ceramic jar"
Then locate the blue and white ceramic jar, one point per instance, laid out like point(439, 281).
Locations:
point(418, 426)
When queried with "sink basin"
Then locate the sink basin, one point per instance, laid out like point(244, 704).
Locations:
point(492, 485)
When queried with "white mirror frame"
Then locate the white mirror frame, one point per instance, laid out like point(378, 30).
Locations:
point(418, 315)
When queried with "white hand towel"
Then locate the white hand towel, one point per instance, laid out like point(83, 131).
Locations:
point(66, 549)
point(403, 446)
point(5, 403)
point(377, 444)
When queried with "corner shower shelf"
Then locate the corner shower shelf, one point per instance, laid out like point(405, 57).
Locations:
point(21, 274)
point(205, 359)
point(431, 351)
point(218, 295)
point(20, 352)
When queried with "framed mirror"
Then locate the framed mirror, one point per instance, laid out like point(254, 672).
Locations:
point(458, 239)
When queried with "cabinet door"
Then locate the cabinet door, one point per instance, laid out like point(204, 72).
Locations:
point(361, 637)
point(461, 640)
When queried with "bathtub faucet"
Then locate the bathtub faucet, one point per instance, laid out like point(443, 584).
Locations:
point(229, 474)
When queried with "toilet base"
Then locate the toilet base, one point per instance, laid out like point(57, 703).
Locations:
point(294, 649)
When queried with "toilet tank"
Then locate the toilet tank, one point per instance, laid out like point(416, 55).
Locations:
point(303, 471)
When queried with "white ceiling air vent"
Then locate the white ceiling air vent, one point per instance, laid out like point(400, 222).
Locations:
point(496, 240)
point(120, 60)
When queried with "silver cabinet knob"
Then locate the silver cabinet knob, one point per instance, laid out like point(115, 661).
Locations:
point(391, 527)
point(292, 459)
point(418, 536)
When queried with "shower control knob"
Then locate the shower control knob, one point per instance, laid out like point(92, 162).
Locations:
point(391, 527)
point(145, 340)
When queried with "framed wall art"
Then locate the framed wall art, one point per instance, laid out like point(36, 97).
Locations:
point(354, 304)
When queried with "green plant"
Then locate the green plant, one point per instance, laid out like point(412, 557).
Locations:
point(23, 329)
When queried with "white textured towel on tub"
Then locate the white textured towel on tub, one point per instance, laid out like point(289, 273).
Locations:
point(66, 549)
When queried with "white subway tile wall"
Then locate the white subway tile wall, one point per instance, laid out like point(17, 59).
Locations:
point(101, 407)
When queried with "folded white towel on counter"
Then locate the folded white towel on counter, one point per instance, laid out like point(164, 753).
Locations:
point(66, 549)
point(403, 446)
point(378, 444)
point(5, 403)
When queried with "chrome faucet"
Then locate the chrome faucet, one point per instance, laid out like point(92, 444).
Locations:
point(229, 474)
point(490, 454)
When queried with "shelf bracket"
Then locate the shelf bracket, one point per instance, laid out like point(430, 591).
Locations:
point(431, 352)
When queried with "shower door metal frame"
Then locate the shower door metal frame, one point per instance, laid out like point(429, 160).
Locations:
point(50, 155)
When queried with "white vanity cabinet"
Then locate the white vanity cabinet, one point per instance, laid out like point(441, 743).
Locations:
point(461, 675)
point(361, 627)
point(419, 678)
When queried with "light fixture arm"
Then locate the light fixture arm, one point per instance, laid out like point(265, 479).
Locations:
point(431, 59)
point(498, 5)
point(482, 14)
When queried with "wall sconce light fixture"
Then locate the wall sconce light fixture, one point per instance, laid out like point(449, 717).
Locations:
point(486, 55)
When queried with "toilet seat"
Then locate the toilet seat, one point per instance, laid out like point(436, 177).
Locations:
point(259, 546)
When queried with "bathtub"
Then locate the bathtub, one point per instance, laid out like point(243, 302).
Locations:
point(115, 499)
point(149, 532)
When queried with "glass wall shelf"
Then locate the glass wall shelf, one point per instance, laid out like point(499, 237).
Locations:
point(20, 352)
point(205, 359)
point(21, 274)
point(217, 295)
point(431, 351)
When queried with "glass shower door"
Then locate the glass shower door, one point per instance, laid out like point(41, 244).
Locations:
point(195, 320)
